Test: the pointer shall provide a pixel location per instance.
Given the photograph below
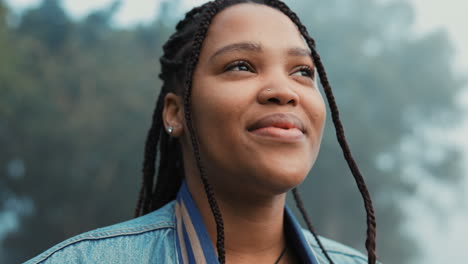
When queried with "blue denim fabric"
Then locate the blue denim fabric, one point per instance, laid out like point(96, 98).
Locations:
point(152, 239)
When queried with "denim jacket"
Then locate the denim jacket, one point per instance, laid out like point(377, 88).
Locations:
point(175, 234)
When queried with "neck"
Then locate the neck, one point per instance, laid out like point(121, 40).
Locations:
point(254, 232)
point(253, 228)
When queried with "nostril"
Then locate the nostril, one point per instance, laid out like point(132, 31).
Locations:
point(274, 100)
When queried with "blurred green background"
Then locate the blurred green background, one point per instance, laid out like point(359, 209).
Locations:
point(76, 96)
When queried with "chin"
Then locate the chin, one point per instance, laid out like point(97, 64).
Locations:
point(281, 179)
point(278, 173)
point(288, 181)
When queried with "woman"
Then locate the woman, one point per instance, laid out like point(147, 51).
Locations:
point(238, 124)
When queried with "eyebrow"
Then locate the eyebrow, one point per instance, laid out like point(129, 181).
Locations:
point(300, 52)
point(255, 47)
point(241, 46)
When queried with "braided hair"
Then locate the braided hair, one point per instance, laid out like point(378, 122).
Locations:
point(180, 57)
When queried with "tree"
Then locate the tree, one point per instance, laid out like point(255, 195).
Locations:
point(84, 107)
point(48, 23)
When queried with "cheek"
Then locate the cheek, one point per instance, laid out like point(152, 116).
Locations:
point(217, 114)
point(220, 105)
point(214, 111)
point(315, 110)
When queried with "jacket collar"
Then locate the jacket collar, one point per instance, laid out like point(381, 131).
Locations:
point(193, 242)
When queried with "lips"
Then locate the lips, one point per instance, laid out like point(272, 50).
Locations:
point(284, 121)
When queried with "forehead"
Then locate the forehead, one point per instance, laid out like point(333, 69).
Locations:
point(253, 23)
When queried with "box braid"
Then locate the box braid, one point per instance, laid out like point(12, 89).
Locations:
point(181, 54)
point(370, 215)
point(170, 171)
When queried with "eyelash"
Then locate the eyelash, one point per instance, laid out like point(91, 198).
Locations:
point(309, 72)
point(238, 63)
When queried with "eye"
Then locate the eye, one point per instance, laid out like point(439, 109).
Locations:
point(239, 66)
point(305, 71)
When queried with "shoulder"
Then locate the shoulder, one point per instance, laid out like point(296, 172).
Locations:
point(126, 242)
point(340, 254)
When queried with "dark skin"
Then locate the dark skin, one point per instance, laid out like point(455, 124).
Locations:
point(253, 64)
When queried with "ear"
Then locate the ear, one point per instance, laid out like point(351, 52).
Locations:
point(173, 114)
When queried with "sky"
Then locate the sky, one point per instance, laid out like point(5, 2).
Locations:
point(442, 242)
point(448, 14)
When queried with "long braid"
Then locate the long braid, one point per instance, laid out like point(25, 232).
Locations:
point(150, 159)
point(287, 11)
point(160, 189)
point(370, 215)
point(300, 205)
point(150, 199)
point(207, 16)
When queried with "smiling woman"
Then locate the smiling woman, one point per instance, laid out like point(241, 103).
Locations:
point(237, 125)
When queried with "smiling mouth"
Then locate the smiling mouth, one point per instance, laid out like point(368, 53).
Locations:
point(280, 126)
point(279, 133)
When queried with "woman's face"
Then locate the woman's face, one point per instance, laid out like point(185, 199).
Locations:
point(258, 113)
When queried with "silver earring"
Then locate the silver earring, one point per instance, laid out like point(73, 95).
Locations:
point(170, 129)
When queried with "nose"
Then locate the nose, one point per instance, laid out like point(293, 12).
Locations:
point(278, 92)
